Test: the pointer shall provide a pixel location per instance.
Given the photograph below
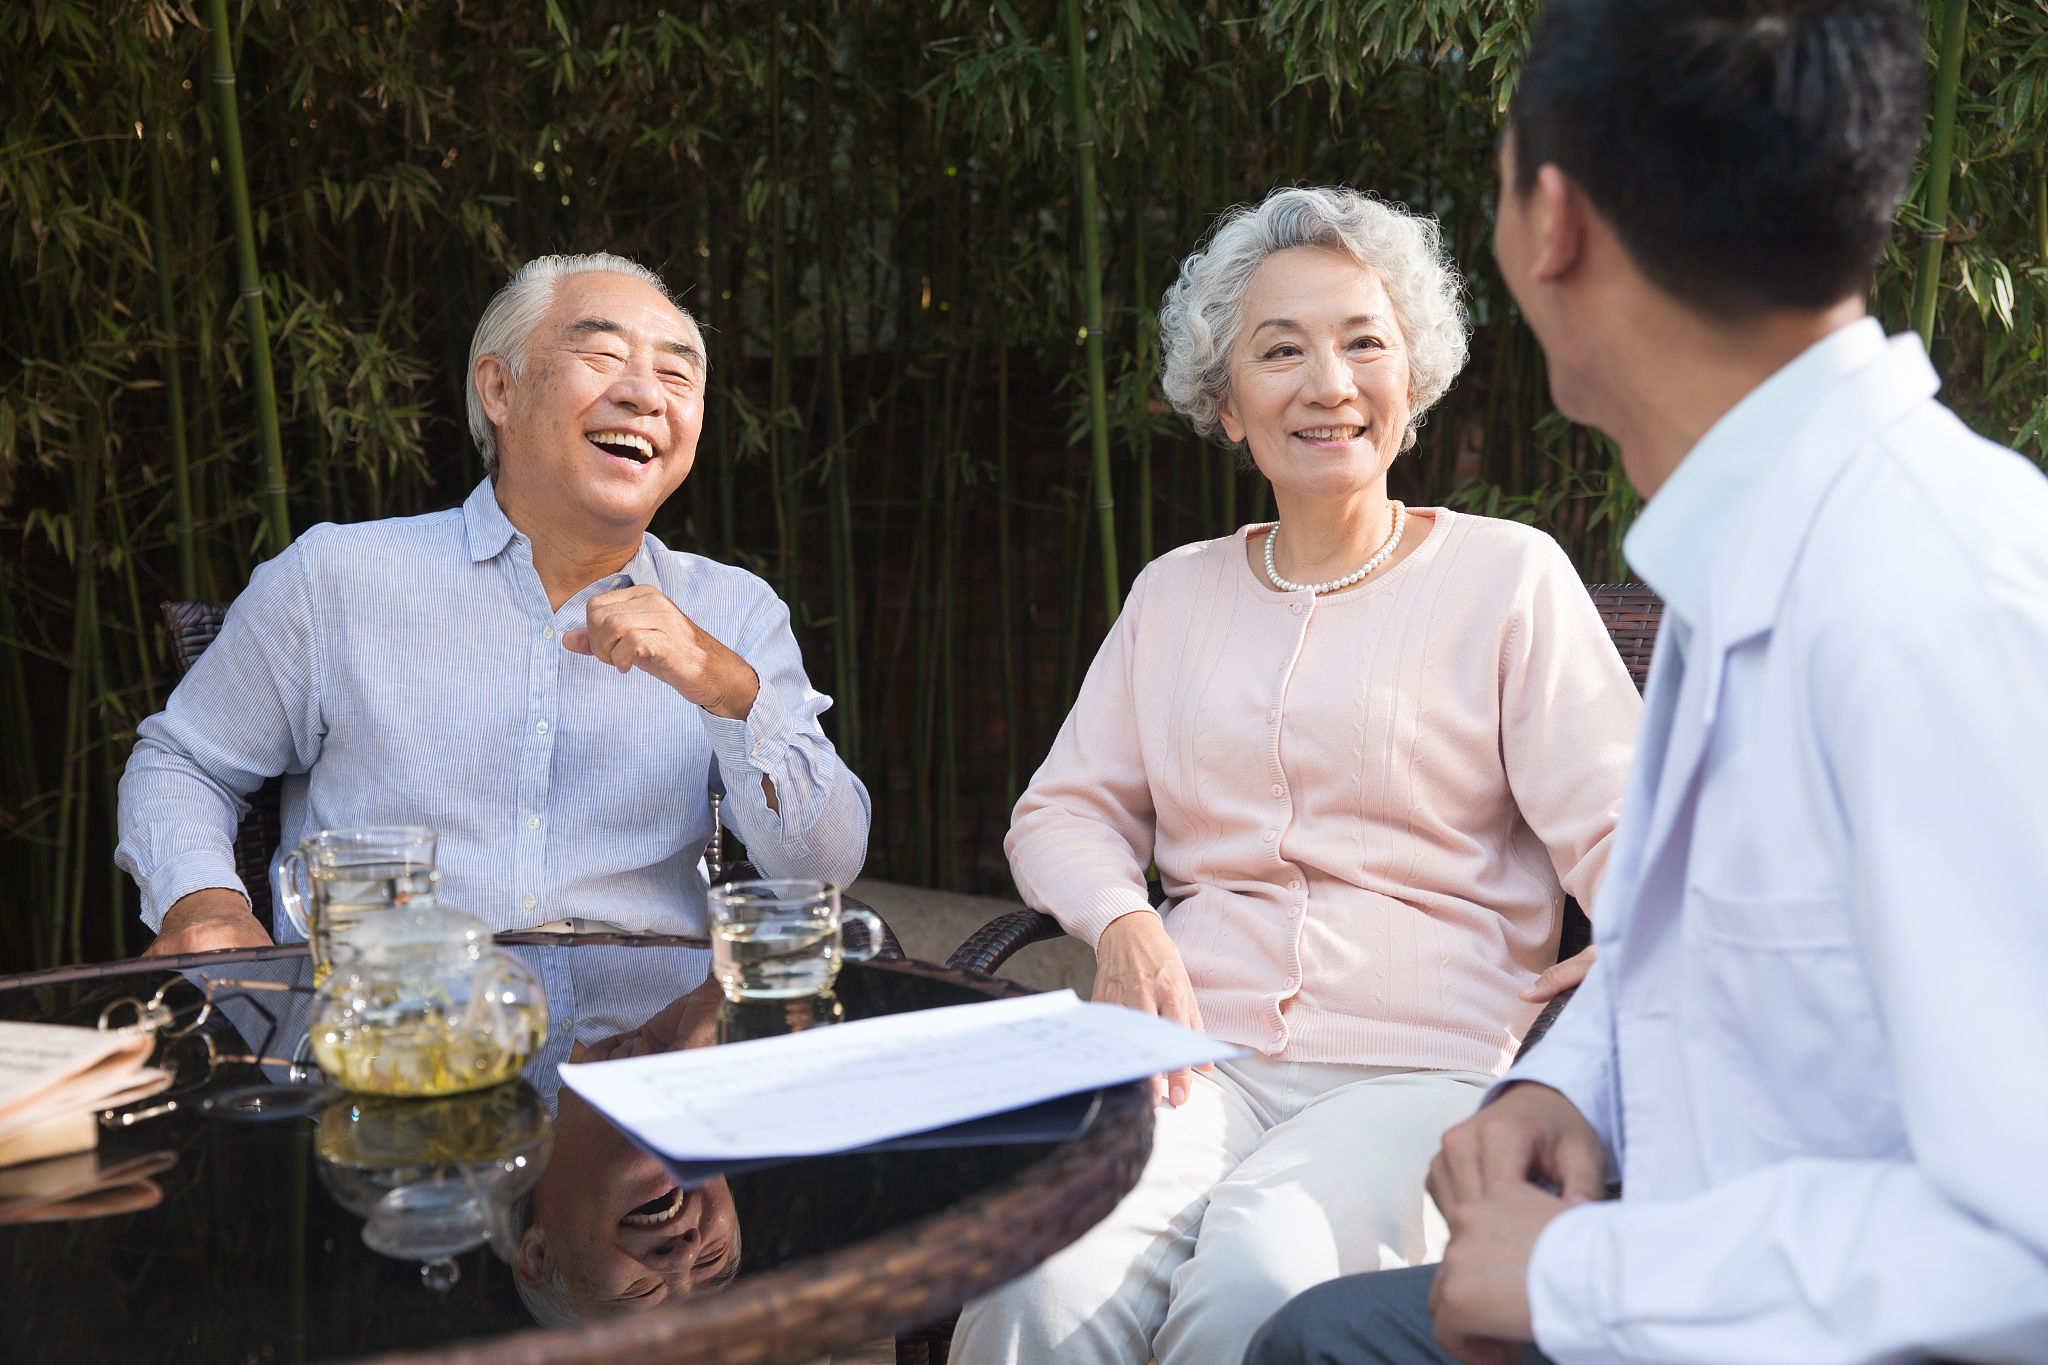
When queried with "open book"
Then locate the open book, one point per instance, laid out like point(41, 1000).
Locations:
point(55, 1078)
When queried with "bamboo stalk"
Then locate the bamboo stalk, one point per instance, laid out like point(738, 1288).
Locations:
point(2040, 207)
point(725, 313)
point(1940, 159)
point(75, 799)
point(948, 868)
point(923, 806)
point(839, 503)
point(173, 371)
point(270, 442)
point(785, 479)
point(1006, 585)
point(1141, 432)
point(1091, 274)
point(1205, 493)
point(27, 779)
point(110, 779)
point(141, 624)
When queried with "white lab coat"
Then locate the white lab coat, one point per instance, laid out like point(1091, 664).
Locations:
point(1815, 1045)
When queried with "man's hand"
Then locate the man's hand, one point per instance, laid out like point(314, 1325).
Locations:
point(1560, 978)
point(638, 627)
point(1137, 965)
point(1480, 1296)
point(1482, 1182)
point(205, 921)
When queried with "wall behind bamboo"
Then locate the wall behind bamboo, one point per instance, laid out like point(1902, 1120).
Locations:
point(871, 207)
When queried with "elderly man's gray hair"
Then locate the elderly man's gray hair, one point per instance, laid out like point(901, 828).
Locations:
point(516, 309)
point(1202, 311)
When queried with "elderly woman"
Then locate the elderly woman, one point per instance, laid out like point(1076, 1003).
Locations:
point(1369, 749)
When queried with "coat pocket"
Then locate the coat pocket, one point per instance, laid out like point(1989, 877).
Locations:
point(1790, 1016)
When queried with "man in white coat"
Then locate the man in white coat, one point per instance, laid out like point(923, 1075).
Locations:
point(1814, 1048)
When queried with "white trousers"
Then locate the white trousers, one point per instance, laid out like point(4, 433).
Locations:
point(1274, 1177)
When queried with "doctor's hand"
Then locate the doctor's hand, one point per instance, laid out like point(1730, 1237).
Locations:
point(1480, 1296)
point(1560, 978)
point(1531, 1133)
point(1482, 1181)
point(1136, 965)
point(638, 627)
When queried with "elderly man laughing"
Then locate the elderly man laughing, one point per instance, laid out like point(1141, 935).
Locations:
point(532, 674)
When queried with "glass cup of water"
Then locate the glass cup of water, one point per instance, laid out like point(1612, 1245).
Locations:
point(779, 939)
point(350, 874)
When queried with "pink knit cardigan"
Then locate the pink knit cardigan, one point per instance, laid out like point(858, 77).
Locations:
point(1362, 805)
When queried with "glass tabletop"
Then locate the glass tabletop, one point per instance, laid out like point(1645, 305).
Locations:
point(258, 1249)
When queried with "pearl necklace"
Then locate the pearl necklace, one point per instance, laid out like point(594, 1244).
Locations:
point(1379, 557)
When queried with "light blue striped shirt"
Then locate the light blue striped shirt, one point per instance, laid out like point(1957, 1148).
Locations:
point(410, 671)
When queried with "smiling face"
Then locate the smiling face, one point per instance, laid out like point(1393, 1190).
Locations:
point(612, 1223)
point(603, 426)
point(1318, 375)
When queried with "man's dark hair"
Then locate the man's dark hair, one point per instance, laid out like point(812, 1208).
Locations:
point(1749, 153)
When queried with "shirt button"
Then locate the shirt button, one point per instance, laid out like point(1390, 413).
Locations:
point(1294, 607)
point(1271, 835)
point(533, 822)
point(540, 727)
point(547, 632)
point(1294, 885)
point(1279, 790)
point(529, 900)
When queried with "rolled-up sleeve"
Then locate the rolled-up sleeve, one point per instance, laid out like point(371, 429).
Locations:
point(820, 826)
point(248, 711)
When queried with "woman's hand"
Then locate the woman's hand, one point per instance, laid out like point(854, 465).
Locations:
point(1136, 965)
point(1560, 978)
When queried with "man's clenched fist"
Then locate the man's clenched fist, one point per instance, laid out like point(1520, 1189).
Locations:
point(638, 627)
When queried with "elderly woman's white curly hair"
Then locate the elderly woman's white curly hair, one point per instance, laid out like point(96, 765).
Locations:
point(1200, 316)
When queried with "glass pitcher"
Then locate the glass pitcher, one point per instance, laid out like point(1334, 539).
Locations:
point(350, 875)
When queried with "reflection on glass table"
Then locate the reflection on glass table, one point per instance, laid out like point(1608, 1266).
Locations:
point(435, 1177)
point(266, 1243)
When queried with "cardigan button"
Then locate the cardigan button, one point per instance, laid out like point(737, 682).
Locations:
point(1272, 716)
point(1294, 607)
point(1294, 885)
point(1279, 790)
point(1271, 835)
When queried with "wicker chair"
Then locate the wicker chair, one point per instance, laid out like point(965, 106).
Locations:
point(194, 625)
point(1632, 613)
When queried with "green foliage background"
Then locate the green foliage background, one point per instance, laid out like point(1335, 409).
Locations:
point(872, 208)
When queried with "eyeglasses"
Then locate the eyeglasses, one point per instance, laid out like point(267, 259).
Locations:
point(194, 1055)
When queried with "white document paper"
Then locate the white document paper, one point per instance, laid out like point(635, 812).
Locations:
point(848, 1085)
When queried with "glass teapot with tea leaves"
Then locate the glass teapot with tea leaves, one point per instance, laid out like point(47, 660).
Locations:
point(424, 1005)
